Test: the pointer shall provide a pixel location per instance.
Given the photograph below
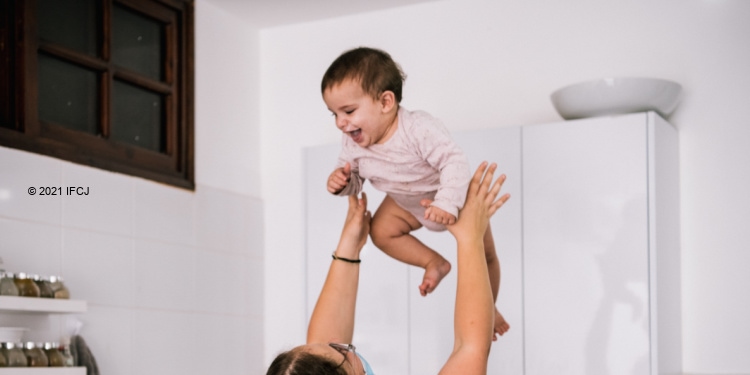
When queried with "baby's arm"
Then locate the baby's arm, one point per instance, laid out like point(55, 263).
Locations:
point(440, 151)
point(345, 180)
point(339, 178)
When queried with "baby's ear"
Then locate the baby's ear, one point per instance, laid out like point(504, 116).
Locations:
point(388, 100)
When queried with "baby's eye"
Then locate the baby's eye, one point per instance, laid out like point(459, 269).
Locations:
point(349, 112)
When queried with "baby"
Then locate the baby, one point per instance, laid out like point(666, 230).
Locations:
point(409, 155)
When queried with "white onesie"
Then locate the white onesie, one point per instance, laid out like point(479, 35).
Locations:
point(419, 161)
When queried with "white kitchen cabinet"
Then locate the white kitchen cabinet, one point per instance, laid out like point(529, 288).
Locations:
point(398, 330)
point(588, 244)
point(601, 247)
point(431, 317)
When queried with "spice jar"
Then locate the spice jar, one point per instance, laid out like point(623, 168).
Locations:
point(3, 358)
point(70, 361)
point(54, 356)
point(14, 354)
point(26, 286)
point(35, 355)
point(61, 292)
point(45, 288)
point(7, 284)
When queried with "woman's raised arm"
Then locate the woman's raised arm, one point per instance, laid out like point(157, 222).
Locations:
point(475, 307)
point(333, 317)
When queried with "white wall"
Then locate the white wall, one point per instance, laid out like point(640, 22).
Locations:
point(479, 64)
point(169, 275)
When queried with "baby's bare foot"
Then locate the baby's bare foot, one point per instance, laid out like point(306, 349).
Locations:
point(501, 326)
point(433, 273)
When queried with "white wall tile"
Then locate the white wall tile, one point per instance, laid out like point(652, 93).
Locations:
point(165, 275)
point(108, 333)
point(253, 290)
point(30, 247)
point(99, 267)
point(108, 207)
point(21, 171)
point(221, 345)
point(255, 228)
point(253, 335)
point(164, 343)
point(222, 220)
point(163, 212)
point(219, 282)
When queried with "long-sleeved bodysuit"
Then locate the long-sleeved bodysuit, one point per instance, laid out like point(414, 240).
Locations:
point(419, 161)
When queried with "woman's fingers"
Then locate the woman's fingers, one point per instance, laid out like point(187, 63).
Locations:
point(476, 180)
point(495, 190)
point(482, 179)
point(486, 190)
point(487, 181)
point(497, 204)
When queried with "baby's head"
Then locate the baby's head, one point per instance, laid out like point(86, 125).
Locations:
point(374, 69)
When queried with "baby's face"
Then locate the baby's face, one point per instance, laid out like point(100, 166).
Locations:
point(357, 114)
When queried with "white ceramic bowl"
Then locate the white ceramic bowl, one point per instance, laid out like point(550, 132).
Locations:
point(12, 334)
point(613, 96)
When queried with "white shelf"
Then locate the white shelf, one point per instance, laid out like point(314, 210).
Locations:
point(41, 305)
point(43, 371)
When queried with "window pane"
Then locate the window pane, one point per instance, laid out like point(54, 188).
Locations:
point(137, 42)
point(70, 23)
point(68, 95)
point(137, 117)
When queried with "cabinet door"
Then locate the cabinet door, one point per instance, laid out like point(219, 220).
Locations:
point(585, 245)
point(431, 317)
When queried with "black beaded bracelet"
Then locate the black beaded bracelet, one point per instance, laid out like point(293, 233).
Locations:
point(345, 259)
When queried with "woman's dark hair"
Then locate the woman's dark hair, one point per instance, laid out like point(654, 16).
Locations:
point(374, 69)
point(297, 362)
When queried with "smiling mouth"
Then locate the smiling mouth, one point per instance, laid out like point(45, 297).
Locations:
point(356, 135)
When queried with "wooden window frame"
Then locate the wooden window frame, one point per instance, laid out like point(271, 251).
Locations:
point(19, 93)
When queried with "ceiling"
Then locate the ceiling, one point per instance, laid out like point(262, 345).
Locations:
point(270, 13)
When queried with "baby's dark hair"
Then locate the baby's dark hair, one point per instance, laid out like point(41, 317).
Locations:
point(296, 362)
point(374, 69)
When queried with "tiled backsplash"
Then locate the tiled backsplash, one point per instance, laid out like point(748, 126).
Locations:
point(168, 273)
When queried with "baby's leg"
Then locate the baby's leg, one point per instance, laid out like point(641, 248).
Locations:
point(493, 266)
point(390, 230)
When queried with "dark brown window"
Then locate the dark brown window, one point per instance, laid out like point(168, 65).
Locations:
point(106, 83)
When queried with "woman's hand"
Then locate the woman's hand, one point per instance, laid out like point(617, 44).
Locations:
point(356, 228)
point(480, 204)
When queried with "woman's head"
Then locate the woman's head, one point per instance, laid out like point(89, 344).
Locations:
point(303, 363)
point(374, 69)
point(317, 359)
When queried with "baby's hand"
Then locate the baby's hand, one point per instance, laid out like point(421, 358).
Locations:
point(339, 178)
point(435, 214)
